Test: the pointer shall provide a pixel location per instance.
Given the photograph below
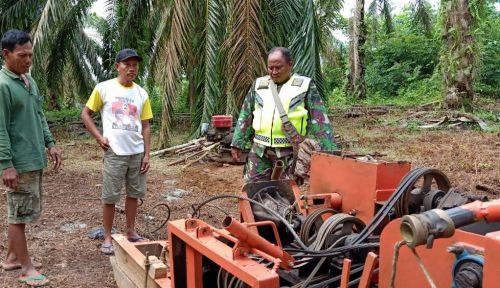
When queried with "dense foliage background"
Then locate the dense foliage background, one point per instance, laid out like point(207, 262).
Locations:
point(201, 56)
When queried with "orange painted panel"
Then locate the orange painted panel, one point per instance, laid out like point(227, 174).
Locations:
point(438, 261)
point(356, 181)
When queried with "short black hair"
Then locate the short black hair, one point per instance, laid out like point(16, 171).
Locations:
point(14, 37)
point(284, 51)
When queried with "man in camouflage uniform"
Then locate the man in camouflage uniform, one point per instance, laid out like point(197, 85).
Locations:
point(257, 123)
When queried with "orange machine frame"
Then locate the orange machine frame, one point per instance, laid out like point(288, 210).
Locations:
point(362, 185)
point(192, 239)
point(438, 261)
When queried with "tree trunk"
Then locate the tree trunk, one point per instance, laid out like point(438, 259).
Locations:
point(53, 103)
point(356, 81)
point(458, 56)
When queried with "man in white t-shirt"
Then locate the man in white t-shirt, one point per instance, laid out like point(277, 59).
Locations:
point(125, 111)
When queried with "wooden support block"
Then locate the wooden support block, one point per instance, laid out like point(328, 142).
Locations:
point(131, 262)
point(157, 269)
point(121, 278)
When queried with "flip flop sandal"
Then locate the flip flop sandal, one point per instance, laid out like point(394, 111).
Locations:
point(107, 249)
point(35, 281)
point(137, 239)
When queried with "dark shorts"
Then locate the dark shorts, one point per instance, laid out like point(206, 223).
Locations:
point(119, 169)
point(25, 203)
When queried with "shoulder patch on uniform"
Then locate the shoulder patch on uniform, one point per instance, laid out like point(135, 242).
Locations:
point(297, 82)
point(263, 84)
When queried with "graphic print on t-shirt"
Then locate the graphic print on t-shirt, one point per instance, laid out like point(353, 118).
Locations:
point(125, 113)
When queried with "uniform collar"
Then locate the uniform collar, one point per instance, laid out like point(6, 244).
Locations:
point(288, 80)
point(10, 73)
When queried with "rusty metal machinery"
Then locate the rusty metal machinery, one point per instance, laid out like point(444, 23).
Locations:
point(360, 224)
point(221, 130)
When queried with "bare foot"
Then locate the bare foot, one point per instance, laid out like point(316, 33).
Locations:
point(10, 265)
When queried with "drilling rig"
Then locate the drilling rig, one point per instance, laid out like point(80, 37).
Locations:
point(360, 223)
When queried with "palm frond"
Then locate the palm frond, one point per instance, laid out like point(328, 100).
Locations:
point(52, 13)
point(422, 15)
point(211, 99)
point(386, 12)
point(66, 39)
point(281, 20)
point(306, 46)
point(246, 50)
point(172, 53)
point(18, 14)
point(381, 8)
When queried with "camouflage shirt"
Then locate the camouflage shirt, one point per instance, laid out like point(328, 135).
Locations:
point(319, 127)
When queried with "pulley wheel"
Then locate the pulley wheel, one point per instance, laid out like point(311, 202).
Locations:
point(335, 229)
point(312, 224)
point(424, 183)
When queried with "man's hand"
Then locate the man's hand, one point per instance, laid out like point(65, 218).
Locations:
point(144, 164)
point(103, 142)
point(10, 177)
point(236, 153)
point(55, 156)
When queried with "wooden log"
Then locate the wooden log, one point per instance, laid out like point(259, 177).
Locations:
point(174, 148)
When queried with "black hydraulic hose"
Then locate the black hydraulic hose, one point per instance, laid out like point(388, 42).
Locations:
point(148, 217)
point(334, 252)
point(389, 204)
point(274, 213)
point(362, 236)
point(334, 279)
point(377, 219)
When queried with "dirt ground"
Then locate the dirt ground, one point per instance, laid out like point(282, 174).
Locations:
point(72, 206)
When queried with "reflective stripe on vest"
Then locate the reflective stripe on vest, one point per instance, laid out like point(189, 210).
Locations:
point(266, 118)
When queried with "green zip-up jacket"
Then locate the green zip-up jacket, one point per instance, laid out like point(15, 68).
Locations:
point(24, 132)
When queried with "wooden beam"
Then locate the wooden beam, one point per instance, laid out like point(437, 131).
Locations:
point(121, 278)
point(131, 262)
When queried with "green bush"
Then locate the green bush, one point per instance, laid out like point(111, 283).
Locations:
point(399, 60)
point(68, 114)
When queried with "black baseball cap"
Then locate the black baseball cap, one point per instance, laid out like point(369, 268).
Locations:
point(125, 54)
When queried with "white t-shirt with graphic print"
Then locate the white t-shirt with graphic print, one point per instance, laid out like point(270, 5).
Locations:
point(122, 110)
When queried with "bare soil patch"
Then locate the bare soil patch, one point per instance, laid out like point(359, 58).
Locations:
point(72, 197)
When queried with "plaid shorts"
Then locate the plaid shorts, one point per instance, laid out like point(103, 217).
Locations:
point(119, 169)
point(24, 205)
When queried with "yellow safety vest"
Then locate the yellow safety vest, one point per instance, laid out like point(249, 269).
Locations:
point(266, 118)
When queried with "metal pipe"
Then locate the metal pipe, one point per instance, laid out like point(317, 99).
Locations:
point(277, 170)
point(423, 228)
point(254, 240)
point(147, 264)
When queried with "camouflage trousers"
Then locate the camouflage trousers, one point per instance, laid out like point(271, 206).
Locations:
point(24, 204)
point(260, 168)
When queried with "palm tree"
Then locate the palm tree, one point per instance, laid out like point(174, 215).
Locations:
point(422, 15)
point(380, 9)
point(458, 58)
point(355, 80)
point(218, 56)
point(224, 53)
point(64, 54)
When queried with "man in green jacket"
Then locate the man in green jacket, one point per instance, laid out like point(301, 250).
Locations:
point(24, 135)
point(259, 121)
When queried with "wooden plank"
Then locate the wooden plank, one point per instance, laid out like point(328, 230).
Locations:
point(121, 278)
point(131, 261)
